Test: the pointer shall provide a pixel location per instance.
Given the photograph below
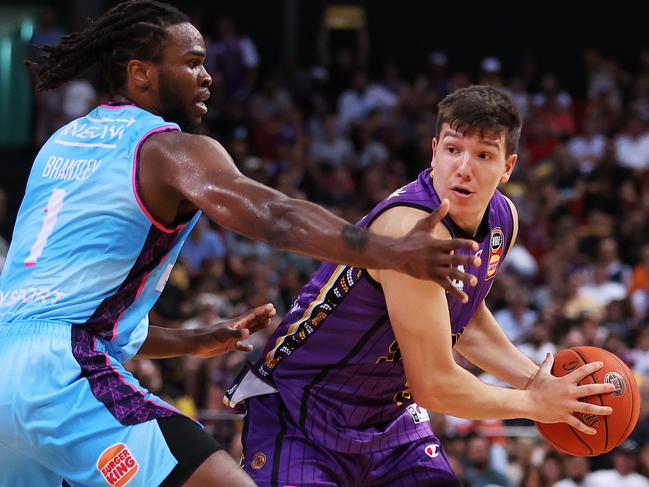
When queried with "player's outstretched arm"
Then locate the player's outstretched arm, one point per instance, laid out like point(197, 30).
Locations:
point(420, 319)
point(197, 169)
point(206, 341)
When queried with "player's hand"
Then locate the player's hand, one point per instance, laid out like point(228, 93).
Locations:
point(230, 334)
point(554, 399)
point(423, 256)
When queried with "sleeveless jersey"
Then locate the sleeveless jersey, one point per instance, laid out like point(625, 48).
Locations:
point(334, 358)
point(85, 249)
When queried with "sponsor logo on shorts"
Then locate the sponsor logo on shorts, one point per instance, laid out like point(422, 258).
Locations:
point(117, 465)
point(618, 382)
point(419, 414)
point(432, 450)
point(258, 460)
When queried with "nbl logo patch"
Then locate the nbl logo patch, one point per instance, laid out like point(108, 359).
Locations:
point(496, 242)
point(117, 465)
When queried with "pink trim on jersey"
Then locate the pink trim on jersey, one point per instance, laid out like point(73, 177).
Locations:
point(156, 223)
point(137, 295)
point(117, 107)
point(133, 386)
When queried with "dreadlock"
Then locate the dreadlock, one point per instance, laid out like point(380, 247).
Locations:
point(130, 30)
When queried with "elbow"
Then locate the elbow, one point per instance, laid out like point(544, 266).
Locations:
point(434, 396)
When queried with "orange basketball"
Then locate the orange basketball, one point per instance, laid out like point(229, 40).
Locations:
point(625, 401)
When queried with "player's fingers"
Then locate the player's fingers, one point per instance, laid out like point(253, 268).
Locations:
point(440, 212)
point(242, 347)
point(260, 325)
point(592, 389)
point(588, 408)
point(578, 425)
point(452, 290)
point(461, 259)
point(462, 244)
point(584, 371)
point(458, 275)
point(263, 311)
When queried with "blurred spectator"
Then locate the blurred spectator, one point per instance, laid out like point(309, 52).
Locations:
point(48, 104)
point(357, 102)
point(537, 344)
point(517, 318)
point(600, 288)
point(632, 144)
point(79, 97)
point(490, 72)
point(477, 470)
point(551, 468)
point(332, 147)
point(204, 244)
point(233, 57)
point(576, 470)
point(624, 472)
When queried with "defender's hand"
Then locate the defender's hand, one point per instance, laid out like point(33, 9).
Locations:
point(426, 257)
point(229, 335)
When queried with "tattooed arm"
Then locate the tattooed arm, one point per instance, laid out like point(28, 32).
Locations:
point(180, 173)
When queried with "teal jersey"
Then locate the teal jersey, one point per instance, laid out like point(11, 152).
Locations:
point(85, 249)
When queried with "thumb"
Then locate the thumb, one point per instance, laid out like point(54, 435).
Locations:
point(546, 366)
point(439, 214)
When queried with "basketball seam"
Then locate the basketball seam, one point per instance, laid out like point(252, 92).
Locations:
point(626, 432)
point(590, 449)
point(574, 432)
point(601, 403)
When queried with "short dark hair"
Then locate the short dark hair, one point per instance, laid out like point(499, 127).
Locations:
point(131, 30)
point(484, 109)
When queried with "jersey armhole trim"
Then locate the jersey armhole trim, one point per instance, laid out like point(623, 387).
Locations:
point(373, 282)
point(136, 179)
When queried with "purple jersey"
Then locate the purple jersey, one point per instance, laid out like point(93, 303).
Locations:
point(334, 358)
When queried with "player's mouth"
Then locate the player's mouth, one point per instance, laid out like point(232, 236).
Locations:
point(200, 102)
point(461, 191)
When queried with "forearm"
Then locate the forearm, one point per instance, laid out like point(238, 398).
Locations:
point(485, 345)
point(166, 343)
point(308, 229)
point(459, 393)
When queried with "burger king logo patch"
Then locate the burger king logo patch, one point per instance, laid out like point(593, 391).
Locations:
point(117, 465)
point(496, 242)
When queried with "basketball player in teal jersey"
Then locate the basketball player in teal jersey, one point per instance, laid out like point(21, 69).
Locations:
point(110, 199)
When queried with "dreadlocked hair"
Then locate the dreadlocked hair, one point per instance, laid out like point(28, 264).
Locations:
point(131, 30)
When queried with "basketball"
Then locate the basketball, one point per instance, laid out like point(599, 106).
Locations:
point(625, 401)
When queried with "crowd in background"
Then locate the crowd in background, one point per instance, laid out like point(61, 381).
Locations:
point(346, 137)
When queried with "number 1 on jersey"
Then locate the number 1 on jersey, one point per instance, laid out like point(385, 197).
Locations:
point(54, 205)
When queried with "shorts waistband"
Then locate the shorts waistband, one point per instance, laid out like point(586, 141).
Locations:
point(36, 327)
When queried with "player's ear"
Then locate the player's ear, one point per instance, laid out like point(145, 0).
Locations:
point(433, 145)
point(510, 163)
point(140, 72)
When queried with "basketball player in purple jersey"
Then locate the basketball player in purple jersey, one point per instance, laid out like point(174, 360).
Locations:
point(124, 218)
point(332, 401)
